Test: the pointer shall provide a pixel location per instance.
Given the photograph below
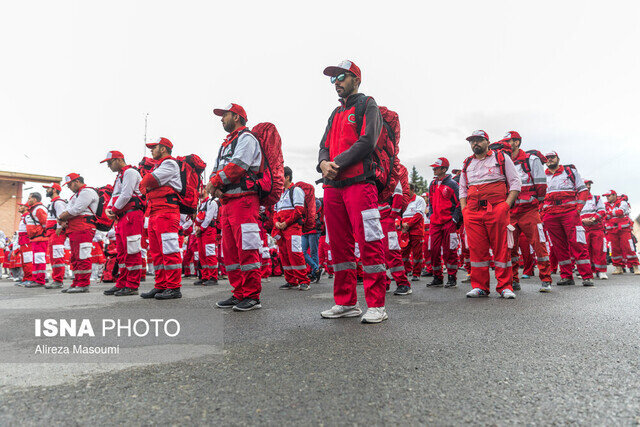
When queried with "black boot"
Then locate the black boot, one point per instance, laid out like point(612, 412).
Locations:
point(111, 291)
point(151, 294)
point(451, 282)
point(126, 292)
point(435, 283)
point(169, 294)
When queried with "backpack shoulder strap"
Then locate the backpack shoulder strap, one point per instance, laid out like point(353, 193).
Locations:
point(501, 162)
point(465, 165)
point(361, 107)
point(570, 174)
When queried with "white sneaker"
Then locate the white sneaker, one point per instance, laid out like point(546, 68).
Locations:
point(477, 293)
point(508, 294)
point(374, 315)
point(342, 311)
point(603, 276)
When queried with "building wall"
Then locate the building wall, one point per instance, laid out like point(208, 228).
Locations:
point(10, 195)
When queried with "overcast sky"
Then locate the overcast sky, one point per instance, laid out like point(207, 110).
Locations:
point(79, 77)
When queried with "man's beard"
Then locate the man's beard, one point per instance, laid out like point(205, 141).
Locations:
point(478, 149)
point(227, 127)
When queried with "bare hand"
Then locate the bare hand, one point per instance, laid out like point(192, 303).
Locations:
point(405, 227)
point(281, 225)
point(209, 188)
point(58, 231)
point(329, 169)
point(110, 214)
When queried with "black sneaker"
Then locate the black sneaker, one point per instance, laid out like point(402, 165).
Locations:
point(566, 282)
point(304, 287)
point(587, 282)
point(65, 290)
point(169, 294)
point(318, 275)
point(198, 282)
point(54, 285)
point(228, 303)
point(289, 286)
point(126, 292)
point(403, 290)
point(78, 289)
point(516, 286)
point(415, 278)
point(247, 304)
point(451, 282)
point(435, 283)
point(151, 294)
point(210, 282)
point(425, 273)
point(111, 291)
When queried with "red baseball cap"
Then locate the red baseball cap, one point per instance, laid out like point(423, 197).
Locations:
point(234, 108)
point(442, 162)
point(512, 134)
point(113, 155)
point(588, 181)
point(550, 154)
point(345, 65)
point(611, 192)
point(478, 133)
point(55, 186)
point(70, 177)
point(161, 141)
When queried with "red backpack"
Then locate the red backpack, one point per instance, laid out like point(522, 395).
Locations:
point(100, 218)
point(146, 165)
point(191, 169)
point(309, 215)
point(270, 178)
point(402, 175)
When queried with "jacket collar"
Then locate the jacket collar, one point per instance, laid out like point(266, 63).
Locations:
point(351, 100)
point(233, 135)
point(557, 172)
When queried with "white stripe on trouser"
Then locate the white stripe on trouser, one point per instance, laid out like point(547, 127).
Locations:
point(480, 264)
point(249, 267)
point(377, 268)
point(344, 266)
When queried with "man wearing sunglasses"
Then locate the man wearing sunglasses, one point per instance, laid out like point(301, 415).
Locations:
point(565, 198)
point(351, 197)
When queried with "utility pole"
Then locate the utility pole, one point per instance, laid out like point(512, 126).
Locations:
point(146, 121)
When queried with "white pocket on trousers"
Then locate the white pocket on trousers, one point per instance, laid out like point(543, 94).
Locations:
point(580, 235)
point(57, 251)
point(510, 240)
point(329, 257)
point(604, 245)
point(453, 241)
point(543, 239)
point(133, 244)
point(250, 236)
point(27, 257)
point(170, 243)
point(372, 226)
point(631, 245)
point(210, 249)
point(39, 258)
point(196, 256)
point(394, 243)
point(296, 244)
point(84, 251)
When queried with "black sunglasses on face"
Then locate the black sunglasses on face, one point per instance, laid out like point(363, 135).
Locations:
point(340, 77)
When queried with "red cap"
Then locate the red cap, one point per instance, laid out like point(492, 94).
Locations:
point(611, 192)
point(161, 141)
point(70, 177)
point(442, 162)
point(456, 171)
point(512, 134)
point(234, 108)
point(478, 133)
point(55, 186)
point(588, 181)
point(113, 155)
point(345, 65)
point(551, 153)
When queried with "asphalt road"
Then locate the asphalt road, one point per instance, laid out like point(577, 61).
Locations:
point(571, 356)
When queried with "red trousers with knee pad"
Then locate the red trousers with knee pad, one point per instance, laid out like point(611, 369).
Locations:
point(412, 255)
point(351, 215)
point(291, 255)
point(81, 242)
point(392, 251)
point(622, 252)
point(208, 254)
point(528, 222)
point(27, 261)
point(569, 241)
point(444, 243)
point(56, 255)
point(526, 255)
point(39, 271)
point(486, 228)
point(597, 249)
point(241, 245)
point(129, 249)
point(164, 247)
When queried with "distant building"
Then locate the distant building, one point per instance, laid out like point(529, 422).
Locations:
point(11, 184)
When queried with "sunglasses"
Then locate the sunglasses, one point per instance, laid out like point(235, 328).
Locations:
point(340, 77)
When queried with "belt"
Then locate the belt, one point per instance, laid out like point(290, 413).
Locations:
point(120, 215)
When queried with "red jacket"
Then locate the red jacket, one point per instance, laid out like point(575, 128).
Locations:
point(36, 220)
point(564, 194)
point(444, 205)
point(159, 198)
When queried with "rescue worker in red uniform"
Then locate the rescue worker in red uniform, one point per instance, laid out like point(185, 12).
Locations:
point(489, 186)
point(126, 206)
point(351, 197)
point(445, 217)
point(287, 231)
point(413, 219)
point(233, 181)
point(389, 214)
point(525, 216)
point(56, 235)
point(565, 198)
point(207, 234)
point(78, 220)
point(161, 188)
point(25, 246)
point(427, 270)
point(618, 226)
point(36, 220)
point(592, 216)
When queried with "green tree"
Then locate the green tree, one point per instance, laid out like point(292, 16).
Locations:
point(416, 179)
